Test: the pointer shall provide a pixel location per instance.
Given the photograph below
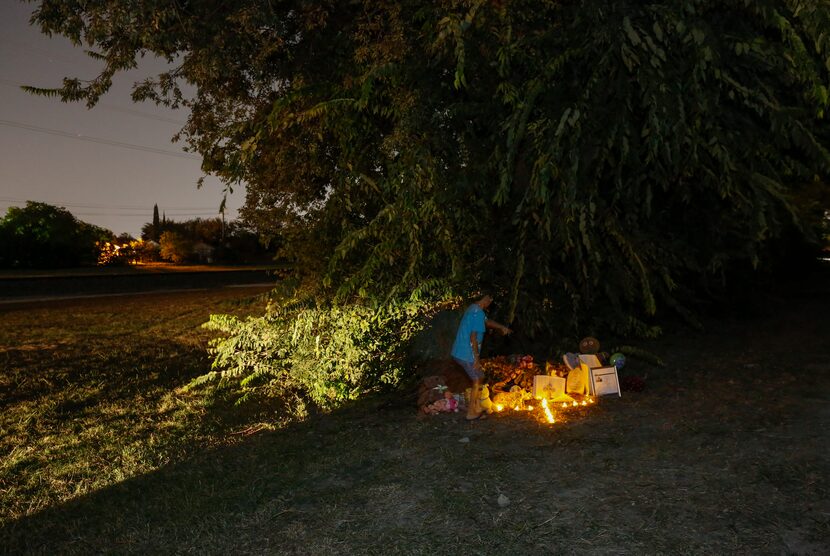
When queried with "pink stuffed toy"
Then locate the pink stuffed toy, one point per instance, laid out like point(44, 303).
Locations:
point(447, 405)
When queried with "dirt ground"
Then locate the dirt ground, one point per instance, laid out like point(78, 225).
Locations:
point(724, 452)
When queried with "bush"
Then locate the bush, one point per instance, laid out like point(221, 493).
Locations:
point(325, 355)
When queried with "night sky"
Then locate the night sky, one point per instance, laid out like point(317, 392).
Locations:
point(108, 165)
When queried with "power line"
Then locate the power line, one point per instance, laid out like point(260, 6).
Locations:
point(141, 114)
point(144, 216)
point(105, 206)
point(39, 51)
point(137, 215)
point(98, 140)
point(107, 106)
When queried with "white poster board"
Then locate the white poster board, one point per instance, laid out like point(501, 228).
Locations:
point(548, 387)
point(605, 381)
point(591, 360)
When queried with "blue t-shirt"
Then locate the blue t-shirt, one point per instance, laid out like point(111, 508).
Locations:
point(472, 321)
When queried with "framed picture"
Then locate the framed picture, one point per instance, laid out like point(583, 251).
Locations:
point(605, 381)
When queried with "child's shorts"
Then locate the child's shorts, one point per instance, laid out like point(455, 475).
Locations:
point(470, 369)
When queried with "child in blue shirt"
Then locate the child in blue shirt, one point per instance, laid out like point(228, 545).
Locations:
point(467, 347)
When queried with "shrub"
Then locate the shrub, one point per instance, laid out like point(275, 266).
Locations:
point(323, 354)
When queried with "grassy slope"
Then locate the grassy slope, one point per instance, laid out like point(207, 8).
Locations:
point(88, 391)
point(725, 452)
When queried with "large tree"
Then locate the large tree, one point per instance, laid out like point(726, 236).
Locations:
point(595, 160)
point(40, 235)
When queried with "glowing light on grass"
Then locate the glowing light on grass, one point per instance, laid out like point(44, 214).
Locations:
point(548, 414)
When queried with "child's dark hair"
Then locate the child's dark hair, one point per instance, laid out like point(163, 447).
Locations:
point(483, 292)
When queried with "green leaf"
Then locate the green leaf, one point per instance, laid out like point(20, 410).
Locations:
point(630, 32)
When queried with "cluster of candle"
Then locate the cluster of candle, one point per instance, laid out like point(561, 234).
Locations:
point(546, 408)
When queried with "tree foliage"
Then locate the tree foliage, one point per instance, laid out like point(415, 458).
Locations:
point(232, 242)
point(155, 229)
point(40, 235)
point(174, 247)
point(594, 161)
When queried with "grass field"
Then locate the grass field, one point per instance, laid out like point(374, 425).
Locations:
point(724, 452)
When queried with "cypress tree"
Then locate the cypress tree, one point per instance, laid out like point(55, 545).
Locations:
point(156, 223)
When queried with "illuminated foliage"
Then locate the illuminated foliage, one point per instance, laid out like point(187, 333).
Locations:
point(124, 251)
point(323, 355)
point(174, 247)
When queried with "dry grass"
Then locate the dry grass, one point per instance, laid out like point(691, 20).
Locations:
point(725, 452)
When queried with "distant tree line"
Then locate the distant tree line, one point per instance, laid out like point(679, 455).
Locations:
point(205, 240)
point(41, 235)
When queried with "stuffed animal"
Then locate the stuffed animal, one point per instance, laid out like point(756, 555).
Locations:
point(485, 402)
point(431, 389)
point(452, 402)
point(448, 404)
point(589, 345)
